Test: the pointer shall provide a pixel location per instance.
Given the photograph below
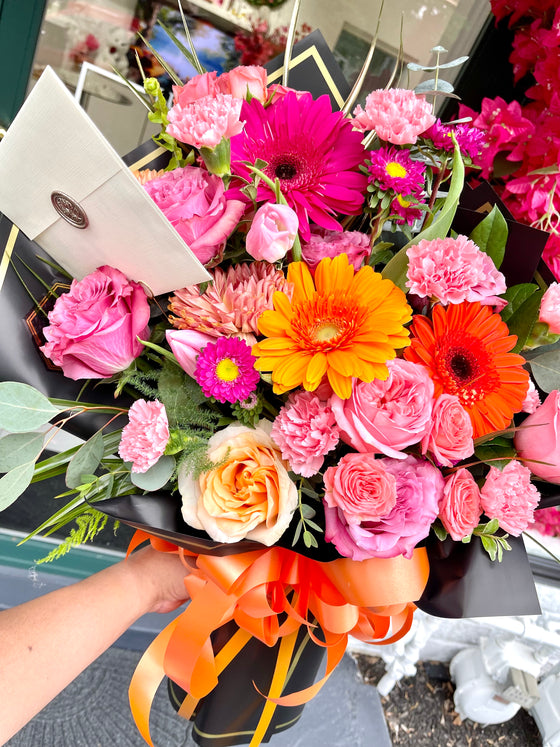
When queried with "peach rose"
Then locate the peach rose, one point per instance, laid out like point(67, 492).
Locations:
point(249, 495)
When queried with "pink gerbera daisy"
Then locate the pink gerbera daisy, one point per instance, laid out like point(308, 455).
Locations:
point(394, 169)
point(311, 150)
point(225, 370)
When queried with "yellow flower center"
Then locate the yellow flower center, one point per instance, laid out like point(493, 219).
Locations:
point(395, 169)
point(326, 332)
point(404, 203)
point(227, 370)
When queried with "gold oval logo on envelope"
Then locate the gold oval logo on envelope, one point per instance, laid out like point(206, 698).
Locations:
point(69, 209)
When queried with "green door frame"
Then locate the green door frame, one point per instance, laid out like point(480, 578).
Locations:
point(20, 24)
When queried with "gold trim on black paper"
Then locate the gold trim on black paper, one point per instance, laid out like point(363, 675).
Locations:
point(147, 159)
point(299, 59)
point(7, 253)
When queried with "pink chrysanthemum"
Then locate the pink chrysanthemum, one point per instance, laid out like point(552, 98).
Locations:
point(232, 304)
point(311, 150)
point(470, 139)
point(396, 114)
point(394, 169)
point(225, 370)
point(204, 122)
point(145, 437)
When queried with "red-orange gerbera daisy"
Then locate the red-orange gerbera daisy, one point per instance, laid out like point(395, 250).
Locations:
point(343, 325)
point(466, 349)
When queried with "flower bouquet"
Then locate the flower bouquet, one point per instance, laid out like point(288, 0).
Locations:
point(328, 431)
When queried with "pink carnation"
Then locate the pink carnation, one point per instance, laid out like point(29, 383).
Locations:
point(547, 521)
point(145, 437)
point(396, 114)
point(387, 416)
point(550, 308)
point(460, 508)
point(364, 518)
point(204, 122)
point(323, 243)
point(510, 497)
point(450, 438)
point(305, 431)
point(453, 271)
point(532, 400)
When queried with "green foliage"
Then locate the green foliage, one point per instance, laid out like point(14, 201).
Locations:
point(89, 524)
point(306, 515)
point(157, 476)
point(516, 295)
point(493, 543)
point(439, 530)
point(491, 236)
point(23, 408)
point(18, 448)
point(85, 461)
point(546, 370)
point(522, 321)
point(497, 453)
point(14, 483)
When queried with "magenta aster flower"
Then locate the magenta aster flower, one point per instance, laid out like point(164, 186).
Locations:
point(470, 140)
point(313, 151)
point(225, 370)
point(406, 209)
point(394, 169)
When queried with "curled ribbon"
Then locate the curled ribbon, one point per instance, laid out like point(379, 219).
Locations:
point(269, 594)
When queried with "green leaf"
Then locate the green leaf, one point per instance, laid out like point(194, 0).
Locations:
point(85, 461)
point(18, 448)
point(395, 270)
point(491, 527)
point(523, 320)
point(23, 408)
point(297, 533)
point(314, 526)
point(433, 85)
point(497, 453)
point(439, 531)
point(490, 545)
point(516, 295)
point(546, 370)
point(415, 67)
point(491, 236)
point(309, 540)
point(156, 477)
point(307, 511)
point(14, 483)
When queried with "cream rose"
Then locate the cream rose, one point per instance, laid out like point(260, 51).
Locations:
point(249, 495)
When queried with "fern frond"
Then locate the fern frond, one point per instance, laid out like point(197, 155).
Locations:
point(89, 524)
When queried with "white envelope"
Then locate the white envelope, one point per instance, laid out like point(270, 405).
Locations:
point(53, 147)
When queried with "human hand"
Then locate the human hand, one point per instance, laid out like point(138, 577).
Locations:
point(159, 577)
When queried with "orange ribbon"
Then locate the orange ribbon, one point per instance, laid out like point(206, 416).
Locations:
point(367, 599)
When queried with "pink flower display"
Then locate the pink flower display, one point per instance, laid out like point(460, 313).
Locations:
point(232, 304)
point(538, 440)
point(550, 308)
point(313, 152)
point(244, 81)
point(206, 121)
point(509, 496)
point(363, 517)
point(186, 345)
point(305, 430)
point(470, 140)
point(272, 233)
point(93, 329)
point(391, 168)
point(450, 438)
point(145, 437)
point(196, 204)
point(460, 507)
point(395, 114)
point(547, 521)
point(452, 271)
point(225, 370)
point(196, 88)
point(532, 399)
point(387, 416)
point(322, 243)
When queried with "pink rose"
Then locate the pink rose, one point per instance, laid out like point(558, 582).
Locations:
point(305, 431)
point(364, 519)
point(510, 497)
point(145, 437)
point(93, 328)
point(196, 204)
point(453, 271)
point(450, 438)
point(186, 345)
point(324, 243)
point(460, 508)
point(196, 88)
point(204, 122)
point(272, 233)
point(244, 80)
point(550, 308)
point(538, 440)
point(387, 416)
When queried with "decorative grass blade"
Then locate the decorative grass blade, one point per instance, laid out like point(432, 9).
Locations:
point(195, 61)
point(131, 88)
point(290, 42)
point(169, 70)
point(355, 92)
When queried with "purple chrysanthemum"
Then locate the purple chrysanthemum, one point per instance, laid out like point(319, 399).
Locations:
point(394, 169)
point(225, 370)
point(314, 152)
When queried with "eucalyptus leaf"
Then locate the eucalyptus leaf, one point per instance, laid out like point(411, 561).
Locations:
point(309, 540)
point(523, 320)
point(85, 461)
point(416, 68)
point(14, 483)
point(491, 235)
point(156, 477)
point(546, 370)
point(432, 86)
point(297, 533)
point(19, 448)
point(396, 268)
point(23, 408)
point(308, 512)
point(516, 295)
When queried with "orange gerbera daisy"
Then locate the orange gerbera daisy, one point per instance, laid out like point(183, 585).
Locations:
point(342, 324)
point(466, 349)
